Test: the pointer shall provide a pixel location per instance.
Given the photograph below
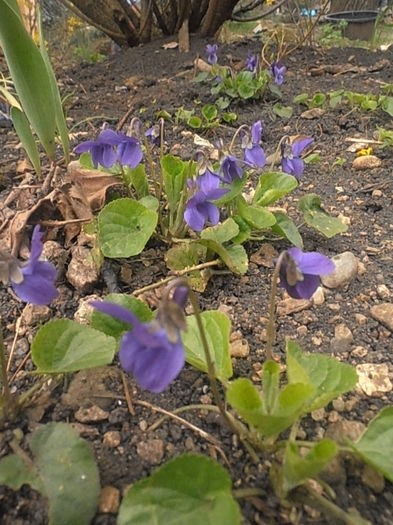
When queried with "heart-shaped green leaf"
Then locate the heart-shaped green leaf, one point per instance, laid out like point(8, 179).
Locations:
point(63, 470)
point(62, 345)
point(188, 490)
point(124, 227)
point(375, 446)
point(316, 217)
point(273, 186)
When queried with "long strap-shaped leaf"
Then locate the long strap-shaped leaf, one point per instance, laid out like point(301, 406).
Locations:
point(60, 119)
point(29, 74)
point(22, 127)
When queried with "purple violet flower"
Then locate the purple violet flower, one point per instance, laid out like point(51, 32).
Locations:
point(153, 352)
point(253, 153)
point(211, 53)
point(35, 283)
point(251, 62)
point(129, 152)
point(101, 150)
point(231, 169)
point(300, 271)
point(200, 209)
point(278, 71)
point(291, 162)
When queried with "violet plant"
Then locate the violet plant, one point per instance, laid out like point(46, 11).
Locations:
point(199, 203)
point(154, 348)
point(254, 81)
point(202, 209)
point(261, 418)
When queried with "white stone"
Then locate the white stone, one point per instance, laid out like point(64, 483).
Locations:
point(344, 273)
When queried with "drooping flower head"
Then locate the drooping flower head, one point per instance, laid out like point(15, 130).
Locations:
point(102, 150)
point(33, 281)
point(153, 352)
point(253, 152)
point(211, 53)
point(154, 135)
point(129, 152)
point(230, 169)
point(300, 272)
point(291, 162)
point(251, 62)
point(278, 71)
point(200, 208)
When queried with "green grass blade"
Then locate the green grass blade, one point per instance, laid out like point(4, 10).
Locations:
point(22, 128)
point(60, 119)
point(29, 74)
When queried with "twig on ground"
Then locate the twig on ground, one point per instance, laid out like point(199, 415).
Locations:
point(179, 419)
point(176, 274)
point(17, 327)
point(22, 364)
point(123, 119)
point(127, 394)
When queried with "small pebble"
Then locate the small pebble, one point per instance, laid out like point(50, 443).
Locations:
point(109, 500)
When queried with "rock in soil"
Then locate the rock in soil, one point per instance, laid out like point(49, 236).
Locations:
point(374, 378)
point(92, 414)
point(384, 314)
point(151, 451)
point(82, 272)
point(344, 273)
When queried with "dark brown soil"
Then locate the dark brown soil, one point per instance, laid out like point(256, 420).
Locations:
point(148, 79)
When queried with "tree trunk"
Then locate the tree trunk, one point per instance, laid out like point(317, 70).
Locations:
point(337, 6)
point(99, 13)
point(146, 21)
point(217, 13)
point(127, 26)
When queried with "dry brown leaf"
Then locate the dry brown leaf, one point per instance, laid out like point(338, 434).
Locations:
point(93, 184)
point(203, 66)
point(312, 113)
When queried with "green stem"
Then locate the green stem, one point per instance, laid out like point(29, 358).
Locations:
point(244, 126)
point(276, 153)
point(25, 397)
point(155, 178)
point(319, 502)
point(5, 387)
point(162, 126)
point(271, 327)
point(211, 372)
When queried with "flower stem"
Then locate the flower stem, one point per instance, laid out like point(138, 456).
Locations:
point(5, 393)
point(244, 126)
point(276, 154)
point(211, 372)
point(162, 145)
point(271, 327)
point(319, 502)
